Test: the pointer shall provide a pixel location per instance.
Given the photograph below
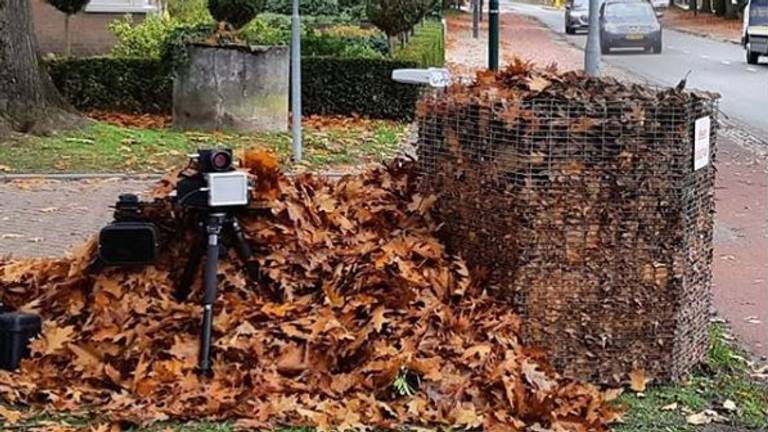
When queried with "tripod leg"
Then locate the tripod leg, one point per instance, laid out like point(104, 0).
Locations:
point(243, 248)
point(246, 253)
point(190, 271)
point(213, 229)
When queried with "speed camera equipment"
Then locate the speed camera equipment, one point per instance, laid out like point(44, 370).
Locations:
point(211, 190)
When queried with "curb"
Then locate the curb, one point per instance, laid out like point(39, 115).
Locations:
point(79, 176)
point(704, 35)
point(5, 178)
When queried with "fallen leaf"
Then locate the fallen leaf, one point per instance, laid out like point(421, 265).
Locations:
point(705, 417)
point(671, 407)
point(638, 380)
point(10, 416)
point(56, 338)
point(729, 405)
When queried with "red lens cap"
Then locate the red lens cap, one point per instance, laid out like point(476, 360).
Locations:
point(221, 161)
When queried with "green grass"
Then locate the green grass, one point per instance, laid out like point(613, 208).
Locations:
point(426, 47)
point(101, 147)
point(725, 376)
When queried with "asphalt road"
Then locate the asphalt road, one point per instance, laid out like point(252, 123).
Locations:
point(715, 66)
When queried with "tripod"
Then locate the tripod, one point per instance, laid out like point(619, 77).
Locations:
point(215, 224)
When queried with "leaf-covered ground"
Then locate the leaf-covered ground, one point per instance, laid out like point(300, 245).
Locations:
point(330, 143)
point(726, 376)
point(356, 316)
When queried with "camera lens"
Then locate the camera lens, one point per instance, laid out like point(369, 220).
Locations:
point(221, 161)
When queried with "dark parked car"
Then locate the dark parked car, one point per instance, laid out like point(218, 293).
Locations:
point(576, 15)
point(629, 24)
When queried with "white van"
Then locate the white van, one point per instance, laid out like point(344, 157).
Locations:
point(755, 34)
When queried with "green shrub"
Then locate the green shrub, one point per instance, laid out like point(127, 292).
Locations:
point(306, 7)
point(325, 44)
point(106, 83)
point(237, 13)
point(266, 30)
point(174, 53)
point(189, 11)
point(145, 39)
point(329, 85)
point(361, 51)
point(270, 29)
point(426, 47)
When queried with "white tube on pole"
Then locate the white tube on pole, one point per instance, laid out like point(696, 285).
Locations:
point(296, 82)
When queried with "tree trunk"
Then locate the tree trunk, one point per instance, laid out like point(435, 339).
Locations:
point(706, 6)
point(29, 102)
point(67, 37)
point(693, 5)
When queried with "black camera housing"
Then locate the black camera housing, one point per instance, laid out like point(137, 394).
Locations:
point(215, 160)
point(16, 332)
point(190, 190)
point(129, 240)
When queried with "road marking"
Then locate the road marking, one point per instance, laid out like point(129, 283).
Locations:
point(725, 62)
point(751, 69)
point(704, 56)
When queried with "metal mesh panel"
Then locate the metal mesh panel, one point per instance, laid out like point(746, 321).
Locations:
point(588, 215)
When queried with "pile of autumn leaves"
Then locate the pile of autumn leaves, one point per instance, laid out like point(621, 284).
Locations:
point(360, 318)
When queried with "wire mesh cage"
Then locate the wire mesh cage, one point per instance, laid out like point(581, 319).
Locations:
point(584, 208)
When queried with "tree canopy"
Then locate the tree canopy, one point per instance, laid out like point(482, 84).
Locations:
point(237, 13)
point(69, 7)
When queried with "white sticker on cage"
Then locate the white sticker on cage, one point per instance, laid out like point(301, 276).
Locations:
point(701, 143)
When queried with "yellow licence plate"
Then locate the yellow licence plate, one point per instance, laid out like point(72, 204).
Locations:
point(635, 36)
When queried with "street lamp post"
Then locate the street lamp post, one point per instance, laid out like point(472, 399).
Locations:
point(493, 35)
point(592, 52)
point(296, 82)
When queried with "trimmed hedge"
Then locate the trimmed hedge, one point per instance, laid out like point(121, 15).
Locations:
point(355, 85)
point(330, 85)
point(107, 83)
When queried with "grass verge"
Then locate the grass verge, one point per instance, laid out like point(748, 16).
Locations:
point(103, 147)
point(426, 46)
point(725, 376)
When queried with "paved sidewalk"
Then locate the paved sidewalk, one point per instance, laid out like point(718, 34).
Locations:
point(42, 218)
point(521, 36)
point(707, 25)
point(741, 244)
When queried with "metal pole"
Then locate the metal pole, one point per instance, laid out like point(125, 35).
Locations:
point(493, 35)
point(475, 18)
point(296, 82)
point(592, 52)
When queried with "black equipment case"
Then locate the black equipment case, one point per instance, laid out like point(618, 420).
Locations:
point(16, 331)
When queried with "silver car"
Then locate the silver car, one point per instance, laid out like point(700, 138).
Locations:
point(576, 15)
